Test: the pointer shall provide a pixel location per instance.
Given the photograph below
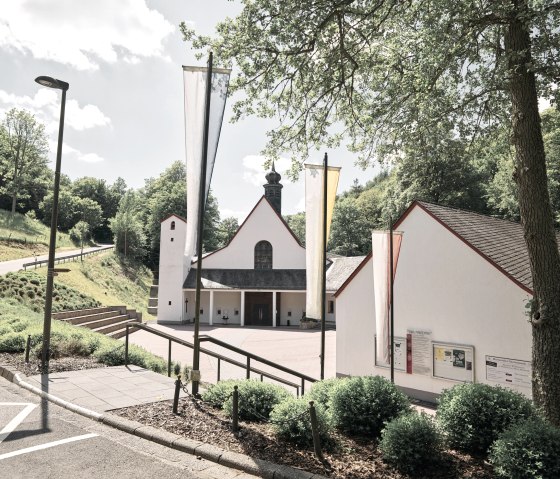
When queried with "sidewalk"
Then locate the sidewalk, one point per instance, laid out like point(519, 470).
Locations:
point(109, 388)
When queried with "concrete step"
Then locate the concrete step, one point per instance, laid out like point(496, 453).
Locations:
point(95, 325)
point(119, 333)
point(79, 320)
point(154, 291)
point(152, 310)
point(153, 302)
point(155, 281)
point(81, 312)
point(113, 327)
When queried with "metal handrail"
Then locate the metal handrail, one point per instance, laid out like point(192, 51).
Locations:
point(64, 258)
point(247, 366)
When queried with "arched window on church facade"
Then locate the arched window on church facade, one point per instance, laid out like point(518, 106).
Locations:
point(263, 255)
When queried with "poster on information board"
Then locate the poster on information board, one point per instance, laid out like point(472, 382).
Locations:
point(453, 361)
point(399, 345)
point(514, 372)
point(418, 351)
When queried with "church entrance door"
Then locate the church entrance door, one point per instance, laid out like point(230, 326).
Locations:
point(258, 309)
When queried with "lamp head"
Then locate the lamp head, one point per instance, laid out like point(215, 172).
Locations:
point(52, 83)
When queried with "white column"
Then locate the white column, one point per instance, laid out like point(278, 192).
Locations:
point(242, 309)
point(274, 309)
point(211, 313)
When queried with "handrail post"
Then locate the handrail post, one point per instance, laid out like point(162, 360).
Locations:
point(169, 360)
point(235, 410)
point(219, 363)
point(248, 372)
point(126, 347)
point(302, 386)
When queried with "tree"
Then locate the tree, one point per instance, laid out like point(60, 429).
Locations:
point(350, 230)
point(385, 72)
point(227, 229)
point(296, 222)
point(80, 233)
point(127, 227)
point(72, 209)
point(23, 153)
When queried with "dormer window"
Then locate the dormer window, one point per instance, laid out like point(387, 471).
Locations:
point(173, 225)
point(263, 255)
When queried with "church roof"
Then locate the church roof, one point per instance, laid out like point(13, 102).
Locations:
point(277, 279)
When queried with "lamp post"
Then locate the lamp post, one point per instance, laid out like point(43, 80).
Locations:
point(58, 85)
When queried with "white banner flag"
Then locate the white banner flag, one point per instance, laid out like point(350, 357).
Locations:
point(380, 249)
point(314, 187)
point(194, 79)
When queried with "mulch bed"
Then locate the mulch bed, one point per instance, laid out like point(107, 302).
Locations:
point(33, 367)
point(353, 458)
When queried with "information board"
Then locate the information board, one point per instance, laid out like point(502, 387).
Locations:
point(418, 351)
point(508, 371)
point(400, 355)
point(453, 361)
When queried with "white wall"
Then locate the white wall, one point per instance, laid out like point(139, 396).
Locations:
point(355, 329)
point(230, 301)
point(291, 302)
point(262, 224)
point(170, 290)
point(444, 286)
point(204, 305)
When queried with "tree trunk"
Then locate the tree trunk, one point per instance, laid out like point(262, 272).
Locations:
point(14, 203)
point(536, 217)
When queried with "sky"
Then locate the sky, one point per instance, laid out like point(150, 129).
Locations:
point(124, 109)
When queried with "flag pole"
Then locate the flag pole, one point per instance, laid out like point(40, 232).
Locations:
point(391, 299)
point(324, 278)
point(201, 207)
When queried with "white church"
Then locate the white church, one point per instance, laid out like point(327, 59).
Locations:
point(257, 279)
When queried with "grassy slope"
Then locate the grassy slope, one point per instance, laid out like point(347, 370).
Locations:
point(109, 281)
point(21, 237)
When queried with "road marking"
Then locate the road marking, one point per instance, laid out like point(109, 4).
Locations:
point(46, 446)
point(16, 421)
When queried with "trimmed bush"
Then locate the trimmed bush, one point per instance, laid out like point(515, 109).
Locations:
point(321, 391)
point(256, 399)
point(362, 405)
point(217, 394)
point(291, 422)
point(473, 415)
point(12, 343)
point(530, 449)
point(412, 443)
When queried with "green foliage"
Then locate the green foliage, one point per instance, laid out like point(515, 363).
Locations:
point(227, 229)
point(528, 450)
point(80, 233)
point(18, 321)
point(321, 392)
point(350, 229)
point(412, 443)
point(473, 415)
point(363, 404)
point(291, 422)
point(74, 209)
point(127, 228)
point(29, 288)
point(256, 399)
point(296, 222)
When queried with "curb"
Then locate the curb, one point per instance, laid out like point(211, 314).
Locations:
point(234, 460)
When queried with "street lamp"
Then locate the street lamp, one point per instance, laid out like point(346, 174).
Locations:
point(58, 85)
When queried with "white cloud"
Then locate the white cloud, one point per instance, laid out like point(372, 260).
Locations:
point(69, 153)
point(255, 171)
point(45, 105)
point(84, 33)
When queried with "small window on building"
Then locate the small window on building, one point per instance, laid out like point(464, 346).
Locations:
point(172, 240)
point(173, 225)
point(263, 255)
point(330, 307)
point(201, 311)
point(289, 312)
point(169, 303)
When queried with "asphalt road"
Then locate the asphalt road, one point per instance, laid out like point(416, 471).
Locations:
point(17, 264)
point(41, 440)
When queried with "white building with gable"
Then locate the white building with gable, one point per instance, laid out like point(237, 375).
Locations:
point(257, 279)
point(461, 286)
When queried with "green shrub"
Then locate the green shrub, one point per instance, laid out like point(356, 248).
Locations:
point(362, 405)
point(112, 354)
point(291, 422)
point(530, 449)
point(256, 399)
point(217, 394)
point(12, 343)
point(412, 443)
point(473, 415)
point(321, 391)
